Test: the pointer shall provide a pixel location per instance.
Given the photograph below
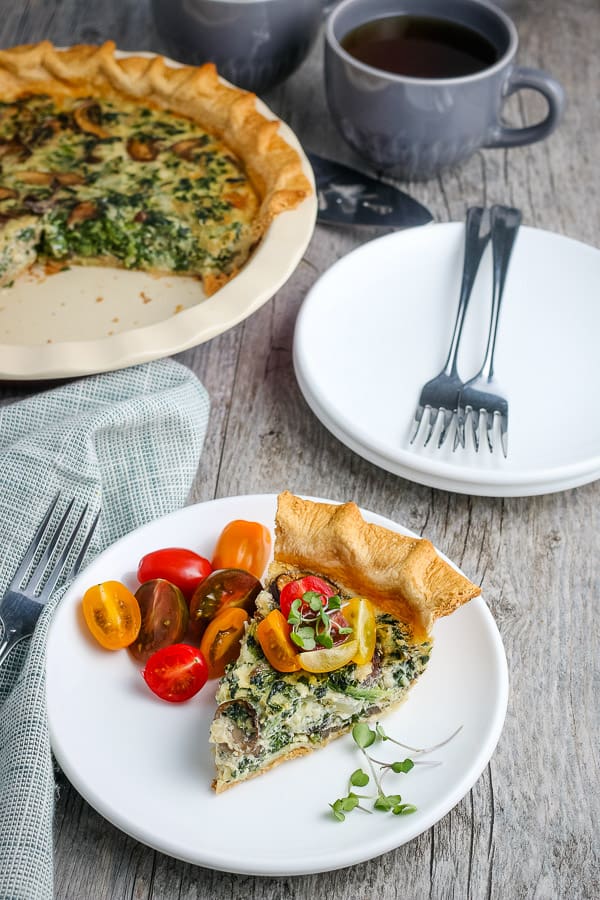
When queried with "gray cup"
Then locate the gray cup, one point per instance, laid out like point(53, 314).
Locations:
point(254, 43)
point(415, 127)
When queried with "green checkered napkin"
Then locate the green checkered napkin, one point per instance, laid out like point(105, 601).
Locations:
point(127, 442)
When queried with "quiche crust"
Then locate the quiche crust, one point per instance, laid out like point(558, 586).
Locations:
point(400, 575)
point(273, 166)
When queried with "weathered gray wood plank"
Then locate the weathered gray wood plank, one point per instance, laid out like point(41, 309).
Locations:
point(528, 828)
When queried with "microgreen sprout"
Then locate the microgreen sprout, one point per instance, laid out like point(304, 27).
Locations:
point(359, 778)
point(385, 737)
point(312, 623)
point(364, 737)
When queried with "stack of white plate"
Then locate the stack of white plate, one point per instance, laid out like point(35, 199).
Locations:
point(377, 325)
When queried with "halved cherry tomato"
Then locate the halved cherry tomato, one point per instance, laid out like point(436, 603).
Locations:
point(328, 660)
point(296, 589)
point(112, 614)
point(181, 567)
point(273, 635)
point(176, 673)
point(222, 589)
point(243, 545)
point(164, 617)
point(220, 643)
point(361, 618)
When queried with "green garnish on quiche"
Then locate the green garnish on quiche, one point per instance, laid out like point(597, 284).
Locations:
point(134, 163)
point(266, 716)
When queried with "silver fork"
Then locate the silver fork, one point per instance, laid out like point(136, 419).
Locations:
point(440, 395)
point(22, 605)
point(481, 396)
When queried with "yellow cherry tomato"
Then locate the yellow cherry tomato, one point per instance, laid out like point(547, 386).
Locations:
point(243, 545)
point(273, 634)
point(361, 617)
point(112, 614)
point(328, 660)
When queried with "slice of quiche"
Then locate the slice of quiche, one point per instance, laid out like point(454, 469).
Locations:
point(266, 716)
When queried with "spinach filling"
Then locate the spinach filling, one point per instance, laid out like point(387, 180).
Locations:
point(300, 709)
point(109, 180)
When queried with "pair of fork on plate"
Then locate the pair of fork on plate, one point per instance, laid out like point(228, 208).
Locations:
point(447, 397)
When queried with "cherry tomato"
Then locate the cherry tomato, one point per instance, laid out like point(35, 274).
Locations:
point(243, 545)
point(361, 618)
point(112, 614)
point(164, 618)
point(221, 641)
point(296, 589)
point(183, 568)
point(328, 660)
point(176, 673)
point(222, 589)
point(273, 635)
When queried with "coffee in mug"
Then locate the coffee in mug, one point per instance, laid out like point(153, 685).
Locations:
point(420, 47)
point(416, 86)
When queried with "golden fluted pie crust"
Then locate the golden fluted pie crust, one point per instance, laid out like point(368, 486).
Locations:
point(401, 575)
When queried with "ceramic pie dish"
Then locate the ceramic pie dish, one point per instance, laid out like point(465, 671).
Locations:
point(91, 318)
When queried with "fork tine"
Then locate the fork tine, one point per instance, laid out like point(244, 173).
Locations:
point(84, 546)
point(504, 435)
point(416, 423)
point(448, 415)
point(459, 434)
point(61, 561)
point(38, 573)
point(433, 417)
point(488, 421)
point(474, 419)
point(33, 546)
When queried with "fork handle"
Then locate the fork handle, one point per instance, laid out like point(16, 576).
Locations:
point(475, 244)
point(506, 222)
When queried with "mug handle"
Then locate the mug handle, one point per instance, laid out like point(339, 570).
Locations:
point(537, 80)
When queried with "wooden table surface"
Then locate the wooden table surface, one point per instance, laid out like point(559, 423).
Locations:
point(529, 827)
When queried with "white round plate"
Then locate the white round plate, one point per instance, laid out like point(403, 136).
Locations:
point(93, 319)
point(377, 326)
point(146, 765)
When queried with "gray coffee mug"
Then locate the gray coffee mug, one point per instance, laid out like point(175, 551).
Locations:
point(254, 43)
point(415, 127)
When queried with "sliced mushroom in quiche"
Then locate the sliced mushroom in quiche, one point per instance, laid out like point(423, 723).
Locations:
point(266, 716)
point(134, 163)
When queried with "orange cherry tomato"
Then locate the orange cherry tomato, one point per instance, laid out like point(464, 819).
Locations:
point(273, 634)
point(220, 643)
point(243, 545)
point(112, 614)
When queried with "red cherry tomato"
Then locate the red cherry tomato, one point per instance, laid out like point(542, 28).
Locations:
point(297, 589)
point(176, 673)
point(183, 568)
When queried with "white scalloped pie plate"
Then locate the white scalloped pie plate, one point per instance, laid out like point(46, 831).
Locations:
point(91, 319)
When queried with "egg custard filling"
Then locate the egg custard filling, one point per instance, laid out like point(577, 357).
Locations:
point(281, 698)
point(132, 163)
